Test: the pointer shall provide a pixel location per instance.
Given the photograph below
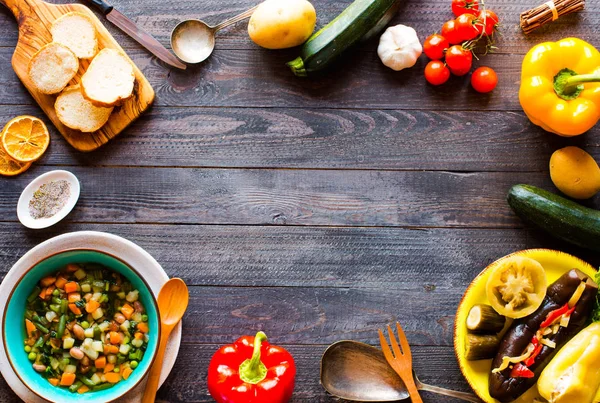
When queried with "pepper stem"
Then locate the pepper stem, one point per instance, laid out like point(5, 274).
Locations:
point(253, 370)
point(568, 84)
point(574, 81)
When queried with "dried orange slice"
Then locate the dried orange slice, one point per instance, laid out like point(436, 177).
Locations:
point(10, 167)
point(25, 138)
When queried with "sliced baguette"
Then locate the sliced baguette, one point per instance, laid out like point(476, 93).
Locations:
point(109, 79)
point(52, 67)
point(77, 32)
point(76, 112)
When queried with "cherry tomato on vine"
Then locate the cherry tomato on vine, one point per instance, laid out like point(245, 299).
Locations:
point(434, 46)
point(436, 72)
point(484, 79)
point(459, 60)
point(449, 32)
point(460, 7)
point(466, 27)
point(489, 20)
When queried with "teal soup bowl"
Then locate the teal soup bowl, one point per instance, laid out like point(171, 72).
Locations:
point(14, 332)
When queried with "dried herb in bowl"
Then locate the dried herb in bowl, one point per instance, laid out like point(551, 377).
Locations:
point(49, 199)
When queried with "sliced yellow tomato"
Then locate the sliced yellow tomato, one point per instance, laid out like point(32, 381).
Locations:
point(517, 286)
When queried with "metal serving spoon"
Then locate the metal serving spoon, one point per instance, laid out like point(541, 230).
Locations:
point(359, 372)
point(194, 40)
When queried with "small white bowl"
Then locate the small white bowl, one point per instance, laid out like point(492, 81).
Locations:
point(52, 176)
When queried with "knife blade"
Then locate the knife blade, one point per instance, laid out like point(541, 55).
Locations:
point(140, 36)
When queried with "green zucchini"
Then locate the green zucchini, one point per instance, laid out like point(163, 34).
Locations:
point(360, 21)
point(561, 217)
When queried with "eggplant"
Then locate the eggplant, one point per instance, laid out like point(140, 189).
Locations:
point(501, 385)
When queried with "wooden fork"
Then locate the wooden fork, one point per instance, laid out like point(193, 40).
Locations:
point(400, 360)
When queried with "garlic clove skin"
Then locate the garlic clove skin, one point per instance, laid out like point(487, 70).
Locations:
point(399, 47)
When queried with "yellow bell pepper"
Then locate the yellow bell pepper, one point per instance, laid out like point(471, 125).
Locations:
point(559, 86)
point(573, 375)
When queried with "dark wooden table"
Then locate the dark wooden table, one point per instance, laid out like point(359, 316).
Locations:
point(313, 209)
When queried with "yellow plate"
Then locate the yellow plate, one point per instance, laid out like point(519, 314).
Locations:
point(476, 372)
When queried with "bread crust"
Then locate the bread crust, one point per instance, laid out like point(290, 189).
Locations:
point(120, 101)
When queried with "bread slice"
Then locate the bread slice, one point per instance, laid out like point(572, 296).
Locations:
point(76, 112)
point(109, 79)
point(77, 32)
point(52, 67)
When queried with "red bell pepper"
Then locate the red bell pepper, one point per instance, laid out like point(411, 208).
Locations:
point(521, 371)
point(251, 371)
point(536, 351)
point(555, 314)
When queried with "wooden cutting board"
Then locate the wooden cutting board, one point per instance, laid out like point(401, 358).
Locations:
point(35, 18)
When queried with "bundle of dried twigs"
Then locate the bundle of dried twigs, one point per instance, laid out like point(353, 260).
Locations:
point(548, 12)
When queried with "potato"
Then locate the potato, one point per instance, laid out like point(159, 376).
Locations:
point(280, 24)
point(575, 173)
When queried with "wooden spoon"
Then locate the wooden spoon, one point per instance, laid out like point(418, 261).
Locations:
point(173, 300)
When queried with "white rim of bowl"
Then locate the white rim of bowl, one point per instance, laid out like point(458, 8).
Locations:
point(23, 205)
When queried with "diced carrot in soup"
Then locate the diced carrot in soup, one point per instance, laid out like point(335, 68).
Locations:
point(115, 338)
point(74, 297)
point(108, 368)
point(67, 379)
point(113, 377)
point(70, 287)
point(100, 362)
point(127, 310)
point(91, 306)
point(83, 389)
point(53, 381)
point(46, 281)
point(127, 373)
point(108, 349)
point(143, 327)
point(60, 282)
point(74, 309)
point(30, 327)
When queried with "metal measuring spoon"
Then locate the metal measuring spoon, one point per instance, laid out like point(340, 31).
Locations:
point(194, 40)
point(359, 372)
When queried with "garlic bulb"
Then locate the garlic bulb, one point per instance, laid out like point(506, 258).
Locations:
point(399, 47)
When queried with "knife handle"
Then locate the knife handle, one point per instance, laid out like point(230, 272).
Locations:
point(101, 6)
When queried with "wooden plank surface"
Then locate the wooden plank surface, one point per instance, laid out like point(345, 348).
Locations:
point(373, 258)
point(316, 210)
point(290, 197)
point(322, 138)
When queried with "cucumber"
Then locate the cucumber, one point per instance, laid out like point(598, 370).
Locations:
point(483, 319)
point(361, 20)
point(481, 346)
point(561, 217)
